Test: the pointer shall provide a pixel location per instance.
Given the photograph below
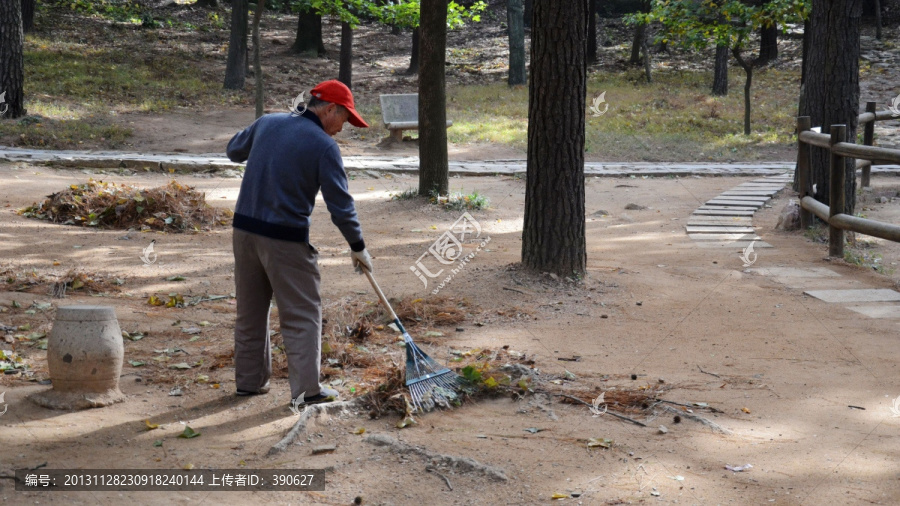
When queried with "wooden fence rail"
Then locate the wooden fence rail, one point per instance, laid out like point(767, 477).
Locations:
point(839, 148)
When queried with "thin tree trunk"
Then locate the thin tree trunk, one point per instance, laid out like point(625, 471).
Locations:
point(748, 69)
point(28, 15)
point(878, 19)
point(309, 34)
point(257, 65)
point(720, 72)
point(345, 71)
point(414, 57)
point(553, 235)
point(591, 55)
point(832, 86)
point(645, 51)
point(640, 32)
point(12, 70)
point(515, 15)
point(433, 164)
point(768, 44)
point(236, 65)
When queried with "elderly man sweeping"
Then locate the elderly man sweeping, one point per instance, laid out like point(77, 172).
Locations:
point(290, 157)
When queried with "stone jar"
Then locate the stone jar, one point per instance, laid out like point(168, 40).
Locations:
point(85, 355)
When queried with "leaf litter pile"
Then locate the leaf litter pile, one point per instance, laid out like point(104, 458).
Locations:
point(170, 208)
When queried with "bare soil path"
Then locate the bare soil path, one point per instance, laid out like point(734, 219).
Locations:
point(781, 367)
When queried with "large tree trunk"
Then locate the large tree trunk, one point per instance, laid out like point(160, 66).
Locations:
point(414, 57)
point(257, 65)
point(768, 44)
point(553, 235)
point(309, 34)
point(515, 15)
point(433, 164)
point(345, 71)
point(591, 55)
point(28, 16)
point(12, 70)
point(832, 86)
point(720, 72)
point(804, 55)
point(529, 12)
point(236, 65)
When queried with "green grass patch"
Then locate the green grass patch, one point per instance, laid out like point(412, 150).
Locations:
point(460, 201)
point(674, 118)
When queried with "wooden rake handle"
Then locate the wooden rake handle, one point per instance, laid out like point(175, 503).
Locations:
point(381, 296)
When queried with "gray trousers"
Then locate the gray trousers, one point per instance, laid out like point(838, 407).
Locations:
point(289, 270)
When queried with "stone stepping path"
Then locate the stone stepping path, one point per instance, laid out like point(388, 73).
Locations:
point(870, 302)
point(727, 220)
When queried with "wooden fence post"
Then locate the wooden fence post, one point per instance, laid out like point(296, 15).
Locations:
point(803, 125)
point(836, 197)
point(868, 140)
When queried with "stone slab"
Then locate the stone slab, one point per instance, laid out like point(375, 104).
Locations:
point(710, 223)
point(735, 203)
point(736, 245)
point(860, 295)
point(751, 198)
point(887, 311)
point(748, 193)
point(796, 272)
point(725, 237)
point(721, 212)
point(695, 229)
point(804, 284)
point(729, 208)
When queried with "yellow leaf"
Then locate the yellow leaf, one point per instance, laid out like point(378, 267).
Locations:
point(360, 431)
point(151, 426)
point(242, 463)
point(745, 410)
point(490, 382)
point(154, 301)
point(188, 467)
point(433, 227)
point(560, 496)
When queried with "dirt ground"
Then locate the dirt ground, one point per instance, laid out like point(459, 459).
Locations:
point(779, 368)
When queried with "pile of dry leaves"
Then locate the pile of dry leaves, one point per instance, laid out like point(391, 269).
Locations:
point(170, 208)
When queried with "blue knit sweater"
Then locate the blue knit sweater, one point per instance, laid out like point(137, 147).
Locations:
point(289, 159)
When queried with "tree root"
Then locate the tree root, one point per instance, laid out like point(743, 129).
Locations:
point(309, 413)
point(462, 464)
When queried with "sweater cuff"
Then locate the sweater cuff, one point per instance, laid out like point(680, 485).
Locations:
point(358, 246)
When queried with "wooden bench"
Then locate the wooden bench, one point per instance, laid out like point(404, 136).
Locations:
point(401, 112)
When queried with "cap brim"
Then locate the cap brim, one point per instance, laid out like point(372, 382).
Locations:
point(355, 119)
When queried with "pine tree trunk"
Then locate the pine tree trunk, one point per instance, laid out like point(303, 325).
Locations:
point(236, 65)
point(515, 15)
point(28, 15)
point(414, 56)
point(553, 235)
point(309, 34)
point(12, 70)
point(257, 64)
point(720, 73)
point(592, 33)
point(878, 19)
point(345, 71)
point(433, 163)
point(768, 44)
point(529, 12)
point(832, 86)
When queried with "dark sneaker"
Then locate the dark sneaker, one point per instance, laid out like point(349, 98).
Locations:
point(325, 395)
point(263, 390)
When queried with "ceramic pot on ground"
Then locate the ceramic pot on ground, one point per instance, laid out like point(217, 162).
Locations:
point(84, 354)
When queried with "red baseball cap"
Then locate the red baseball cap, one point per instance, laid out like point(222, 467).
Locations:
point(337, 92)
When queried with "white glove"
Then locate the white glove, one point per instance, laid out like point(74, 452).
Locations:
point(361, 259)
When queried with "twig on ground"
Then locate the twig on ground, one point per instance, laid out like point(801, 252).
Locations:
point(432, 469)
point(694, 406)
point(621, 417)
point(710, 373)
point(516, 290)
point(709, 423)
